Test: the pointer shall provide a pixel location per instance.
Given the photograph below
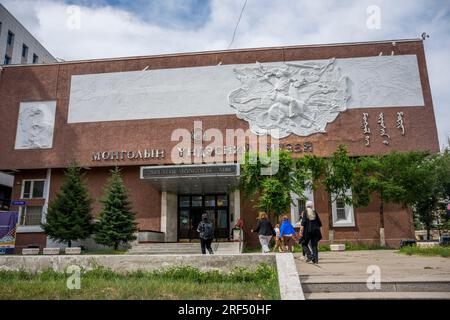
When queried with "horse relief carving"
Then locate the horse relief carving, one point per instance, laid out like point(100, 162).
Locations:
point(295, 98)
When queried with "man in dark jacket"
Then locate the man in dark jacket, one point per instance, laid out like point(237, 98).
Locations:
point(206, 230)
point(265, 231)
point(311, 225)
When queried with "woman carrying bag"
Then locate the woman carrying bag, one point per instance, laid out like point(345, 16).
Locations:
point(311, 226)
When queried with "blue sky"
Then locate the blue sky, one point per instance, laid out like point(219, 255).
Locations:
point(115, 28)
point(190, 14)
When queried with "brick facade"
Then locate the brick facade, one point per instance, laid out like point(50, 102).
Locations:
point(77, 141)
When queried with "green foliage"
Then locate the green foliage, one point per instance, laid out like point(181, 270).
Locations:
point(430, 191)
point(307, 172)
point(394, 177)
point(69, 214)
point(251, 178)
point(295, 176)
point(339, 171)
point(334, 173)
point(443, 173)
point(433, 251)
point(183, 282)
point(262, 273)
point(272, 186)
point(274, 197)
point(116, 222)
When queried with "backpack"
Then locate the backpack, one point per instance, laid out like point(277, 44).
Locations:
point(208, 230)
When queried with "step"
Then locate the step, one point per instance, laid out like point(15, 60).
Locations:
point(377, 295)
point(183, 248)
point(387, 286)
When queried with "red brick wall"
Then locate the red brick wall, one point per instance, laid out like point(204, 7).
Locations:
point(23, 240)
point(397, 220)
point(145, 200)
point(79, 140)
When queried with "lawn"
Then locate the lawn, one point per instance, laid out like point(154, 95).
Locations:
point(175, 283)
point(433, 251)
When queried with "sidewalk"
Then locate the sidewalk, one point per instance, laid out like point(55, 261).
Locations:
point(352, 266)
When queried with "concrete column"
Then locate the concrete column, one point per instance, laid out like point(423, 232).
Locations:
point(235, 206)
point(163, 222)
point(48, 178)
point(169, 219)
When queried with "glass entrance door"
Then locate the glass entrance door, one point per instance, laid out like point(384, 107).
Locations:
point(191, 208)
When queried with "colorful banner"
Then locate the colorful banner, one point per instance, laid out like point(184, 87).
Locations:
point(8, 223)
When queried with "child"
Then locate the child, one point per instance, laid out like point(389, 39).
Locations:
point(278, 243)
point(300, 238)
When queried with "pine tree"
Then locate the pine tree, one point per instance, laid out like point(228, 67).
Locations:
point(116, 222)
point(69, 215)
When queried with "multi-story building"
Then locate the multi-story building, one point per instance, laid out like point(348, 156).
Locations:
point(171, 121)
point(17, 44)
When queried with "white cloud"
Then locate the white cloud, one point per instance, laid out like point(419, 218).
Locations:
point(112, 32)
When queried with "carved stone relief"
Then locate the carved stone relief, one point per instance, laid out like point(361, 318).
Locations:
point(298, 98)
point(35, 125)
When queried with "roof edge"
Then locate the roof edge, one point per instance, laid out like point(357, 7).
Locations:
point(213, 52)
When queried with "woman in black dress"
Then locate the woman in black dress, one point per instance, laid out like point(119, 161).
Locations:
point(311, 227)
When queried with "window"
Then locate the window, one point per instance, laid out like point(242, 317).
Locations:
point(10, 39)
point(197, 201)
point(7, 59)
point(222, 201)
point(185, 201)
point(210, 201)
point(301, 205)
point(33, 189)
point(35, 58)
point(343, 215)
point(340, 210)
point(222, 216)
point(31, 216)
point(24, 51)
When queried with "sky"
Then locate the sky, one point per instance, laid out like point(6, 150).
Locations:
point(81, 29)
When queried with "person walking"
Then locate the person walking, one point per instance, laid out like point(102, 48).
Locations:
point(311, 226)
point(206, 230)
point(278, 243)
point(265, 231)
point(287, 233)
point(301, 238)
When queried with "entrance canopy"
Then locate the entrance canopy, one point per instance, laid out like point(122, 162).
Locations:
point(190, 179)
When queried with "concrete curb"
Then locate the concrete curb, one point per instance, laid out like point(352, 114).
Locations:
point(288, 279)
point(125, 263)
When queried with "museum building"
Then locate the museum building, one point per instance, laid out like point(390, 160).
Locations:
point(144, 114)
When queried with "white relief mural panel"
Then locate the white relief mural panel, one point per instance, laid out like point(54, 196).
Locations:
point(297, 97)
point(293, 98)
point(35, 125)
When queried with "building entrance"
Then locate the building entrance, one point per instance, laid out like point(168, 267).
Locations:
point(191, 208)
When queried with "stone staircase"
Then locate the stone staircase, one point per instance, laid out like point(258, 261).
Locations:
point(354, 290)
point(344, 275)
point(177, 248)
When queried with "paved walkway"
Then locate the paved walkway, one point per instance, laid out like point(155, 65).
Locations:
point(348, 266)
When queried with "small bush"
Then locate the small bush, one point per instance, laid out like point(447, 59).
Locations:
point(443, 251)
